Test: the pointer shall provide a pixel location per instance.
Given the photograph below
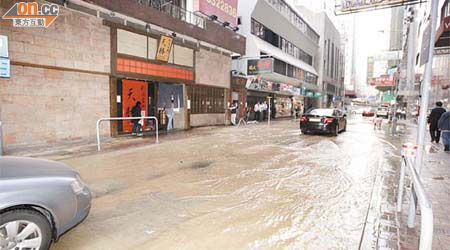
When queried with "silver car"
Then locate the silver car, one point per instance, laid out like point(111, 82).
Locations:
point(39, 201)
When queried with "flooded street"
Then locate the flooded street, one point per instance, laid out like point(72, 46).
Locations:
point(252, 187)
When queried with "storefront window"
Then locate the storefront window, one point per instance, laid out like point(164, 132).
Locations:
point(206, 100)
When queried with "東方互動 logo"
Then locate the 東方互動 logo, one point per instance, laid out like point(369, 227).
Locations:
point(30, 14)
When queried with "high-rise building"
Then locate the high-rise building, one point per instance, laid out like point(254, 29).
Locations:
point(330, 57)
point(280, 56)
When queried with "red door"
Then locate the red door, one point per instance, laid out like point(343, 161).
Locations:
point(133, 92)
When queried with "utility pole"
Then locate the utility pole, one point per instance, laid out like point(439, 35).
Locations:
point(426, 89)
point(410, 72)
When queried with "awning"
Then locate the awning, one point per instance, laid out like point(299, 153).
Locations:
point(277, 53)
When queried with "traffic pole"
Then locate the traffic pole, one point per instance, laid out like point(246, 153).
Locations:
point(410, 72)
point(426, 89)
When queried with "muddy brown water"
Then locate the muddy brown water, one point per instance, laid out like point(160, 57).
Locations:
point(252, 187)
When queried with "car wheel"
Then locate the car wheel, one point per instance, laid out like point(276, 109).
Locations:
point(24, 229)
point(304, 132)
point(336, 130)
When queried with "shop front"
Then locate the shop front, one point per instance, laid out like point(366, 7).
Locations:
point(284, 98)
point(239, 94)
point(152, 71)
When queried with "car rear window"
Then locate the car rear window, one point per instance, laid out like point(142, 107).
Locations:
point(321, 112)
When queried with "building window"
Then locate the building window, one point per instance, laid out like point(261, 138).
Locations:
point(280, 67)
point(271, 37)
point(207, 100)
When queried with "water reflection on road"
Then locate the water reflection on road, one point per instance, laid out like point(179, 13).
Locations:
point(252, 187)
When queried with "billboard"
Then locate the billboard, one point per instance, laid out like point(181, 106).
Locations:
point(225, 10)
point(259, 66)
point(349, 6)
point(382, 81)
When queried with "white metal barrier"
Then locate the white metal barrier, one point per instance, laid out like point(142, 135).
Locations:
point(418, 195)
point(122, 119)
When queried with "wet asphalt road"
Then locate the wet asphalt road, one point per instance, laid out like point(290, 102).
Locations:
point(252, 187)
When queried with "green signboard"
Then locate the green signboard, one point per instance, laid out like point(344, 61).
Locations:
point(312, 93)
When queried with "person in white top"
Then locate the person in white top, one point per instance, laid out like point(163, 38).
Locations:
point(257, 110)
point(264, 110)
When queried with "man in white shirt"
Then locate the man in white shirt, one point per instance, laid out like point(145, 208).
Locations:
point(264, 110)
point(257, 110)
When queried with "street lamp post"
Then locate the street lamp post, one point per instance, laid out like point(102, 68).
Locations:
point(426, 88)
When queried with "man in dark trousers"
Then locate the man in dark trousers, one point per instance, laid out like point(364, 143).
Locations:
point(444, 126)
point(136, 112)
point(433, 120)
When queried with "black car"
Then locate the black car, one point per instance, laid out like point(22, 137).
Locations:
point(319, 120)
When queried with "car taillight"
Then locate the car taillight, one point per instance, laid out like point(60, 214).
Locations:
point(328, 120)
point(304, 119)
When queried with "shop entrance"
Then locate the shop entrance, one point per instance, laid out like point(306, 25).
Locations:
point(129, 92)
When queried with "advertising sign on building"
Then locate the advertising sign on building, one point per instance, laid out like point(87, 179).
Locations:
point(4, 46)
point(165, 46)
point(382, 81)
point(5, 68)
point(260, 66)
point(225, 10)
point(343, 6)
point(425, 50)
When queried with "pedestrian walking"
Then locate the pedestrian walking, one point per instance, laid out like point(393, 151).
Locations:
point(257, 110)
point(233, 108)
point(170, 114)
point(136, 112)
point(444, 126)
point(297, 111)
point(433, 120)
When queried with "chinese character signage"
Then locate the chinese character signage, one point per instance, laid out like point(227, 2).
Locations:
point(268, 86)
point(260, 66)
point(225, 10)
point(30, 14)
point(343, 6)
point(165, 46)
point(382, 81)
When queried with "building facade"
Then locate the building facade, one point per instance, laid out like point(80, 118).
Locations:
point(99, 58)
point(279, 58)
point(330, 58)
point(440, 84)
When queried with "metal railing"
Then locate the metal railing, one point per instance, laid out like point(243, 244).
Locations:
point(176, 12)
point(123, 119)
point(417, 194)
point(1, 140)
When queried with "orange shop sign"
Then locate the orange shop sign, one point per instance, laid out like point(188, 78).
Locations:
point(152, 69)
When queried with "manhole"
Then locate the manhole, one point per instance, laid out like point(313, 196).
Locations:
point(439, 178)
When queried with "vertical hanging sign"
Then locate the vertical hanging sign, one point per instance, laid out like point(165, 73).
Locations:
point(165, 46)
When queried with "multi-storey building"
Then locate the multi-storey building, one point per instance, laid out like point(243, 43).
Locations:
point(330, 58)
point(280, 56)
point(440, 84)
point(99, 58)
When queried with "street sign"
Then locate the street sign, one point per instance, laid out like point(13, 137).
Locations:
point(5, 68)
point(425, 50)
point(353, 6)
